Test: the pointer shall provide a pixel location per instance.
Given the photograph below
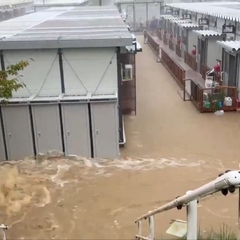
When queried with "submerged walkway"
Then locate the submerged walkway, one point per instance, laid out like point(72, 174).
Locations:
point(165, 125)
point(190, 73)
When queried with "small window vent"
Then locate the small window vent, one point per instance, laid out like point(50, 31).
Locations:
point(127, 73)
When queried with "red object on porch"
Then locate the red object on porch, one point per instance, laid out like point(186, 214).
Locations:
point(238, 105)
point(178, 41)
point(194, 52)
point(217, 68)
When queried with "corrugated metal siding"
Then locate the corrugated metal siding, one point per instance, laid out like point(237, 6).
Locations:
point(207, 33)
point(188, 25)
point(180, 21)
point(211, 8)
point(233, 46)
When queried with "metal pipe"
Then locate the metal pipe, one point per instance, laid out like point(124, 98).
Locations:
point(231, 178)
point(151, 228)
point(2, 61)
point(238, 214)
point(192, 226)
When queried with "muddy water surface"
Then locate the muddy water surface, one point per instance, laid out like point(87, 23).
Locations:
point(170, 149)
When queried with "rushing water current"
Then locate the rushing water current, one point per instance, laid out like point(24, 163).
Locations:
point(170, 149)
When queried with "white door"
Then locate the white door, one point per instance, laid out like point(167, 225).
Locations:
point(76, 129)
point(18, 134)
point(105, 129)
point(46, 121)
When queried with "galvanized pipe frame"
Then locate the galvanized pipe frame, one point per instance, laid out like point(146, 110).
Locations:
point(230, 179)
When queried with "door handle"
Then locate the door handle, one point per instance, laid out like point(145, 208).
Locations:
point(39, 134)
point(68, 133)
point(10, 135)
point(96, 133)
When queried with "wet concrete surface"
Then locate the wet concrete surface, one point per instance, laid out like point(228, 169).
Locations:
point(171, 148)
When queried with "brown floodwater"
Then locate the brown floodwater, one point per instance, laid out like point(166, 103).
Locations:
point(170, 149)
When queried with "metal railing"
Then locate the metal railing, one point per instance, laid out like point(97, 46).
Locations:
point(226, 182)
point(3, 229)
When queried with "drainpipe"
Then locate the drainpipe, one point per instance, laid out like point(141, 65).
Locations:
point(235, 32)
point(119, 78)
point(2, 61)
point(235, 69)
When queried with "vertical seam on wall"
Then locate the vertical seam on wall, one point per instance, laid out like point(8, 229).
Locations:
point(3, 134)
point(91, 131)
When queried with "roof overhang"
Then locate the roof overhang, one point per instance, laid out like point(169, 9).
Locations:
point(136, 47)
point(208, 33)
point(231, 46)
point(63, 44)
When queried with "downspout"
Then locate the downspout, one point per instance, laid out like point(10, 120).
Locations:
point(223, 59)
point(2, 61)
point(135, 80)
point(236, 70)
point(235, 31)
point(119, 79)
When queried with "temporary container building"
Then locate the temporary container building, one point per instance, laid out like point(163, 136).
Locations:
point(186, 35)
point(207, 48)
point(71, 99)
point(230, 64)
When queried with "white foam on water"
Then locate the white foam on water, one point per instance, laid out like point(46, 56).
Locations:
point(144, 164)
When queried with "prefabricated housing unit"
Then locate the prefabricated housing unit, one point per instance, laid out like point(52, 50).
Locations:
point(220, 37)
point(70, 102)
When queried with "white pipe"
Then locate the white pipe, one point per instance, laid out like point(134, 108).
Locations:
point(238, 238)
point(151, 227)
point(231, 178)
point(192, 222)
point(139, 228)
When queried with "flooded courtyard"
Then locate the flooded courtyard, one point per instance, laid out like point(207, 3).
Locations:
point(171, 148)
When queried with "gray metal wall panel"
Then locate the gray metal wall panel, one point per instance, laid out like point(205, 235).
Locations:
point(76, 129)
point(105, 129)
point(46, 119)
point(17, 126)
point(214, 51)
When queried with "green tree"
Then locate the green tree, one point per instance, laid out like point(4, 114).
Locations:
point(9, 79)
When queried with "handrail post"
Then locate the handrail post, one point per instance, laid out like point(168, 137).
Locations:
point(192, 224)
point(159, 53)
point(151, 227)
point(145, 37)
point(139, 228)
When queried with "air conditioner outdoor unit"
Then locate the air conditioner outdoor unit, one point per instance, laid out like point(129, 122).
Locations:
point(127, 73)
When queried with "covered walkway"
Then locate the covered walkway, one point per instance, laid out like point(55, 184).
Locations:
point(167, 126)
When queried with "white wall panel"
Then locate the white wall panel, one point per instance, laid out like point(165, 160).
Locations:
point(84, 69)
point(41, 76)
